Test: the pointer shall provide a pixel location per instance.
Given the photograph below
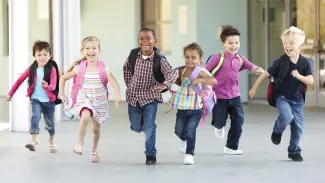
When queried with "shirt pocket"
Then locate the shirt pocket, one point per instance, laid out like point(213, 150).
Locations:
point(235, 65)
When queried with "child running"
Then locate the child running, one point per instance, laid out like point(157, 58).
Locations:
point(42, 85)
point(189, 104)
point(89, 92)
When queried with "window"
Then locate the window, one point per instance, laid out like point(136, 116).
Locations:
point(156, 14)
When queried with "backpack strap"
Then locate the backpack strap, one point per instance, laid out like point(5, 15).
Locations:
point(157, 66)
point(194, 75)
point(198, 90)
point(303, 71)
point(102, 74)
point(32, 71)
point(284, 67)
point(77, 84)
point(58, 76)
point(47, 71)
point(133, 58)
point(220, 62)
point(303, 66)
point(222, 57)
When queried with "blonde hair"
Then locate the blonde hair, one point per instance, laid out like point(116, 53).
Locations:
point(296, 32)
point(83, 44)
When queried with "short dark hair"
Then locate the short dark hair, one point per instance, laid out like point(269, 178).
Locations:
point(41, 45)
point(148, 30)
point(228, 31)
point(194, 46)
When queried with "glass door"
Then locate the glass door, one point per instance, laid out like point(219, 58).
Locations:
point(310, 16)
point(320, 49)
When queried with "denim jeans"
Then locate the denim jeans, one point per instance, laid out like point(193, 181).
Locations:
point(142, 118)
point(185, 127)
point(291, 112)
point(220, 112)
point(47, 108)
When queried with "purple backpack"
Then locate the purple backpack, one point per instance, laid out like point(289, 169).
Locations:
point(205, 91)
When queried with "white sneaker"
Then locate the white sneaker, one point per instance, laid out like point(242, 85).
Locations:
point(183, 146)
point(228, 151)
point(220, 133)
point(189, 159)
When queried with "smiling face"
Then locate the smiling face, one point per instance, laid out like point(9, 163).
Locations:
point(231, 44)
point(291, 45)
point(91, 50)
point(42, 57)
point(146, 41)
point(192, 58)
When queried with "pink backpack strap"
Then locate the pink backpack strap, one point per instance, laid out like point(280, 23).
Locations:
point(77, 83)
point(102, 74)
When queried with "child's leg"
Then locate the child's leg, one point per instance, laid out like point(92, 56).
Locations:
point(96, 134)
point(297, 128)
point(180, 125)
point(180, 128)
point(34, 128)
point(236, 113)
point(135, 117)
point(192, 124)
point(219, 113)
point(285, 115)
point(48, 111)
point(149, 128)
point(85, 116)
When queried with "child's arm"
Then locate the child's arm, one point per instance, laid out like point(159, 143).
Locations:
point(170, 77)
point(205, 77)
point(53, 83)
point(116, 87)
point(250, 66)
point(179, 79)
point(307, 80)
point(127, 74)
point(65, 77)
point(257, 83)
point(258, 70)
point(16, 85)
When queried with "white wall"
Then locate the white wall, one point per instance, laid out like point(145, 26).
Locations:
point(116, 24)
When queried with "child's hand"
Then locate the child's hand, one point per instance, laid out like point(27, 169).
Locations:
point(117, 101)
point(252, 93)
point(159, 88)
point(259, 71)
point(64, 99)
point(44, 84)
point(295, 74)
point(9, 98)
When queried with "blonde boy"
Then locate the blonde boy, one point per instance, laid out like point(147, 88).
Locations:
point(296, 73)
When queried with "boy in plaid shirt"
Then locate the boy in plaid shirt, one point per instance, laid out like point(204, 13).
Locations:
point(143, 91)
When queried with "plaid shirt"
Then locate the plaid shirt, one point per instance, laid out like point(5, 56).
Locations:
point(140, 85)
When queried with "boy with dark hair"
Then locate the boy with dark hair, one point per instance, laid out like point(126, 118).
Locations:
point(225, 67)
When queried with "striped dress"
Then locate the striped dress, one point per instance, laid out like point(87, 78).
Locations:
point(185, 98)
point(92, 95)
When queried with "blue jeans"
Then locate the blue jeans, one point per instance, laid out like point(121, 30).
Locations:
point(142, 118)
point(291, 112)
point(185, 127)
point(47, 108)
point(234, 109)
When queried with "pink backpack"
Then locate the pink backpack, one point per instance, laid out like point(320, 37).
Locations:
point(78, 79)
point(205, 91)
